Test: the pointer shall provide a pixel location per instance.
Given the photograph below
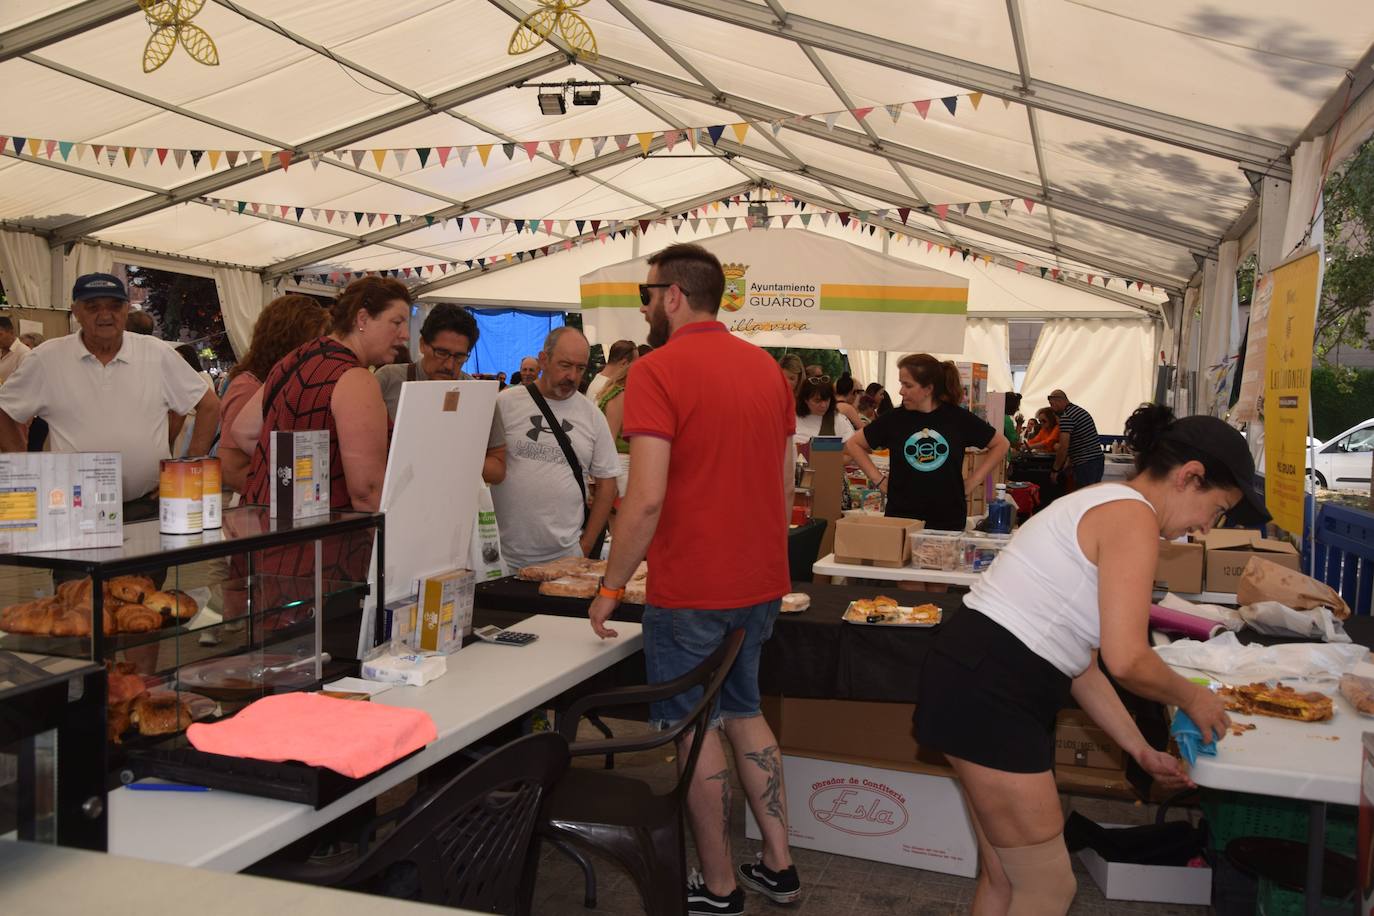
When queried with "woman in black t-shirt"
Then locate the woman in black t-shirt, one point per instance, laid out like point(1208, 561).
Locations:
point(926, 439)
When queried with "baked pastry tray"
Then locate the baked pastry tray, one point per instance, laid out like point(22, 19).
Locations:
point(901, 612)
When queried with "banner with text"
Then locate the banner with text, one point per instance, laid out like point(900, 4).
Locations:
point(1288, 386)
point(801, 289)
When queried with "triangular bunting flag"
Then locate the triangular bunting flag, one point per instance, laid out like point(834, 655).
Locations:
point(740, 130)
point(531, 147)
point(715, 132)
point(509, 150)
point(64, 147)
point(732, 222)
point(214, 155)
point(1043, 271)
point(904, 212)
point(379, 156)
point(574, 145)
point(974, 98)
point(180, 156)
point(315, 160)
point(50, 147)
point(162, 155)
point(556, 148)
point(443, 153)
point(830, 120)
point(483, 152)
point(423, 154)
point(805, 220)
point(941, 211)
point(951, 102)
point(860, 113)
point(985, 206)
point(598, 144)
point(963, 209)
point(894, 112)
point(548, 227)
point(128, 155)
point(777, 127)
point(463, 153)
point(622, 141)
point(1030, 205)
point(922, 108)
point(196, 155)
point(646, 139)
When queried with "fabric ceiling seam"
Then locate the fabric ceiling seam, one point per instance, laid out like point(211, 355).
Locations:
point(1013, 187)
point(926, 235)
point(75, 170)
point(1018, 39)
point(62, 25)
point(1108, 265)
point(700, 200)
point(480, 203)
point(688, 67)
point(1062, 100)
point(399, 88)
point(335, 139)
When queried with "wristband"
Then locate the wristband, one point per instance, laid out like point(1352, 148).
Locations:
point(604, 591)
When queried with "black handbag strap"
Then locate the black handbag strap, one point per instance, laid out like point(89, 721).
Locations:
point(563, 442)
point(295, 367)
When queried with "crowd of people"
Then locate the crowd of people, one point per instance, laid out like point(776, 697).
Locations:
point(1074, 583)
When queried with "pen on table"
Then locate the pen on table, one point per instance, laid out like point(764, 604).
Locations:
point(165, 787)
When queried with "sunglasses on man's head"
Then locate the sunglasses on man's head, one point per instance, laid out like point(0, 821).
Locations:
point(644, 288)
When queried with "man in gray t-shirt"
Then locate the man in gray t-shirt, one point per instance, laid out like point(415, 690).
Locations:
point(539, 507)
point(446, 340)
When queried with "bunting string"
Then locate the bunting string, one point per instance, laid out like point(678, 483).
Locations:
point(563, 149)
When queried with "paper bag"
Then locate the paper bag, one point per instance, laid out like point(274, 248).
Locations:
point(1266, 581)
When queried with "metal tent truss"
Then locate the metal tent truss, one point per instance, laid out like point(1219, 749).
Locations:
point(1072, 229)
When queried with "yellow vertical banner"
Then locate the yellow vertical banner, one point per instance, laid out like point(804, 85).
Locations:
point(1288, 386)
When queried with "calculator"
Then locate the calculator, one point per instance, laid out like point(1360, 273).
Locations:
point(504, 637)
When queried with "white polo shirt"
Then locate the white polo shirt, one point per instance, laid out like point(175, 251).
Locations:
point(10, 360)
point(120, 407)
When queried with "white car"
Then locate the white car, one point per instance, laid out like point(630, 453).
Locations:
point(1344, 462)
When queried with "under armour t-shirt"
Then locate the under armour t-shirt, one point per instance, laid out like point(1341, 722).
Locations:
point(926, 476)
point(539, 505)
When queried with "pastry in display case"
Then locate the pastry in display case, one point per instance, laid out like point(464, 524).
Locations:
point(193, 628)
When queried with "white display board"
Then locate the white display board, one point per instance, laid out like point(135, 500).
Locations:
point(429, 495)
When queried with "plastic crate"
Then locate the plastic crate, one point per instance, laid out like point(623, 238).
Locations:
point(1274, 900)
point(1236, 814)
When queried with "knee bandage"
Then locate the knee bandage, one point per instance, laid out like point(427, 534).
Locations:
point(1041, 876)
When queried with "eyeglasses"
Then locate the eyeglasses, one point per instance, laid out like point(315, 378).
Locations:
point(818, 380)
point(446, 355)
point(645, 287)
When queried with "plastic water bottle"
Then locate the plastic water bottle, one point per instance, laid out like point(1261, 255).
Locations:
point(999, 512)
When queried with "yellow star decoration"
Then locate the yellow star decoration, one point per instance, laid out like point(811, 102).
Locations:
point(539, 26)
point(170, 21)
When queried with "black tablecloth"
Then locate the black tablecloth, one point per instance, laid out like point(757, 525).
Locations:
point(813, 654)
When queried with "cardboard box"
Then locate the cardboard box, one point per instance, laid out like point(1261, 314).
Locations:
point(300, 474)
point(446, 610)
point(874, 731)
point(881, 815)
point(1180, 567)
point(1229, 549)
point(1152, 883)
point(61, 501)
point(871, 540)
point(399, 623)
point(1078, 742)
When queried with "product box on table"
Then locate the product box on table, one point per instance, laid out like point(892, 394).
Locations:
point(300, 474)
point(882, 815)
point(60, 501)
point(1229, 549)
point(1180, 566)
point(446, 610)
point(1151, 883)
point(870, 540)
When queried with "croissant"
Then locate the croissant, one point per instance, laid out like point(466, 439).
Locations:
point(137, 618)
point(71, 622)
point(161, 714)
point(173, 603)
point(34, 618)
point(132, 589)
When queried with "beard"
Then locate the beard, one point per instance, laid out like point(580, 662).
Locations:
point(659, 330)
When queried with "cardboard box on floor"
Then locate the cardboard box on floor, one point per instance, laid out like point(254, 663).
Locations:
point(1151, 883)
point(1180, 566)
point(1227, 550)
point(1078, 742)
point(874, 540)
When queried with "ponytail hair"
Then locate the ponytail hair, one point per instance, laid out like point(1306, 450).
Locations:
point(941, 377)
point(1157, 453)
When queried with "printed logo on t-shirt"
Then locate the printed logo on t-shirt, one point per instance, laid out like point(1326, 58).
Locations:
point(538, 426)
point(926, 450)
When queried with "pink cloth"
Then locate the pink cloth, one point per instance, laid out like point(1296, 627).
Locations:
point(348, 736)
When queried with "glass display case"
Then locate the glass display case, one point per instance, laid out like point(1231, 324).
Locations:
point(52, 750)
point(195, 627)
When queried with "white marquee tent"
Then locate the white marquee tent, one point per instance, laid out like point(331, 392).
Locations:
point(1075, 160)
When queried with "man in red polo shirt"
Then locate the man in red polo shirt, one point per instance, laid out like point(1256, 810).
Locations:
point(710, 488)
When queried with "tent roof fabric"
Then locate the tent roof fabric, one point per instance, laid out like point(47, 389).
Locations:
point(1123, 138)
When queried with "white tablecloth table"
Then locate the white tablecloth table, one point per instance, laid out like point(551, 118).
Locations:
point(486, 686)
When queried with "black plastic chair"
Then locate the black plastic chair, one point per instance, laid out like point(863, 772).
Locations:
point(471, 844)
point(620, 816)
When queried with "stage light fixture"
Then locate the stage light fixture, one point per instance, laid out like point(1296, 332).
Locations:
point(591, 95)
point(553, 103)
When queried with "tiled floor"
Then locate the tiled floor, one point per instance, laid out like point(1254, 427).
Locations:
point(832, 885)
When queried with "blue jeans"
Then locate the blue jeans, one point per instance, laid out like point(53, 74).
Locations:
point(676, 640)
point(1089, 472)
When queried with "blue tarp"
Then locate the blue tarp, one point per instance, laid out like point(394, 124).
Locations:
point(506, 336)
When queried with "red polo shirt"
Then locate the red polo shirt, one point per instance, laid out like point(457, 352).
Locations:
point(724, 405)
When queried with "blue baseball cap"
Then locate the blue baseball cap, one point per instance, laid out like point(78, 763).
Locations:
point(98, 286)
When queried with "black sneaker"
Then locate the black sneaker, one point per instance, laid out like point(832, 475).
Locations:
point(701, 902)
point(778, 886)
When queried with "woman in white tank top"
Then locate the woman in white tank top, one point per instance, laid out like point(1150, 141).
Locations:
point(1077, 577)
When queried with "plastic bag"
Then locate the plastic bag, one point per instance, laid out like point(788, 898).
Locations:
point(1280, 620)
point(484, 556)
point(1224, 658)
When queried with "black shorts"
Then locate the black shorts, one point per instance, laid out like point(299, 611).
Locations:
point(988, 699)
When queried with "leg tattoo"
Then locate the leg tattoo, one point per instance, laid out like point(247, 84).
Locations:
point(723, 777)
point(770, 761)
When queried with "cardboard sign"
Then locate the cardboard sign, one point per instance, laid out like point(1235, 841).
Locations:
point(60, 501)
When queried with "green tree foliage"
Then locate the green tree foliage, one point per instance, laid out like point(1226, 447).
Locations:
point(832, 361)
point(1348, 286)
point(1341, 398)
point(178, 300)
